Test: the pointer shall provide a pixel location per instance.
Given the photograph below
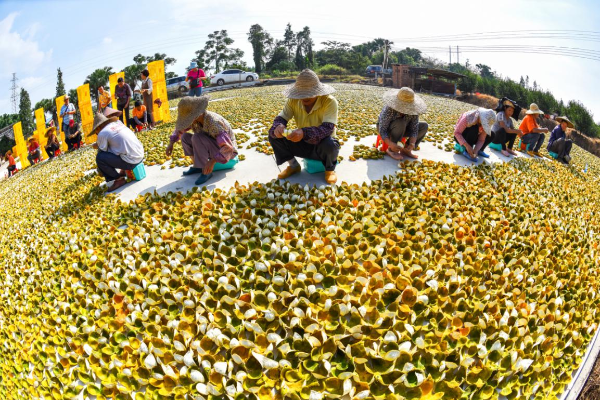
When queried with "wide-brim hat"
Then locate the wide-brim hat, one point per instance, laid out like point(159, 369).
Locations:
point(487, 118)
point(188, 110)
point(100, 121)
point(111, 112)
point(405, 101)
point(193, 65)
point(307, 85)
point(565, 119)
point(534, 109)
point(52, 129)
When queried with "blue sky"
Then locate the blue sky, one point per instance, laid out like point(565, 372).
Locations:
point(36, 37)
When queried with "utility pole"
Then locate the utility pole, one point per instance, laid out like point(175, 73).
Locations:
point(15, 96)
point(457, 55)
point(450, 53)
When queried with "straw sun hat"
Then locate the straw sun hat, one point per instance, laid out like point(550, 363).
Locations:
point(565, 119)
point(100, 121)
point(405, 101)
point(307, 85)
point(188, 110)
point(534, 109)
point(111, 112)
point(52, 129)
point(487, 118)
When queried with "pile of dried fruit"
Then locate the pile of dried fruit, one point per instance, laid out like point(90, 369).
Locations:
point(366, 152)
point(440, 282)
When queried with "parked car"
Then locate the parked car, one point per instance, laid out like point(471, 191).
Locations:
point(232, 76)
point(372, 69)
point(177, 84)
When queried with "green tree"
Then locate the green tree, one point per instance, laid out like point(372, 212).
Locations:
point(60, 85)
point(132, 74)
point(484, 71)
point(262, 46)
point(100, 77)
point(582, 118)
point(217, 49)
point(169, 61)
point(303, 47)
point(26, 114)
point(49, 106)
point(289, 40)
point(74, 99)
point(6, 144)
point(8, 119)
point(278, 59)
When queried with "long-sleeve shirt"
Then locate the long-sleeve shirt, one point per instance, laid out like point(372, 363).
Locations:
point(316, 125)
point(148, 82)
point(123, 94)
point(216, 127)
point(557, 133)
point(388, 115)
point(465, 121)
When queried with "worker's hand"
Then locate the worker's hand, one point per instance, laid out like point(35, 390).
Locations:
point(519, 132)
point(278, 132)
point(393, 146)
point(169, 150)
point(208, 168)
point(95, 146)
point(296, 135)
point(470, 150)
point(227, 151)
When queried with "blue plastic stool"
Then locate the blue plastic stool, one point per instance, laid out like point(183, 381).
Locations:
point(553, 154)
point(495, 146)
point(458, 148)
point(139, 172)
point(313, 166)
point(228, 165)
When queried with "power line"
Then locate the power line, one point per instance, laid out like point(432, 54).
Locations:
point(14, 98)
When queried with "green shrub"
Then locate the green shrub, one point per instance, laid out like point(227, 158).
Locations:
point(331, 69)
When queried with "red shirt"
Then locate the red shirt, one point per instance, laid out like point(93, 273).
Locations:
point(33, 147)
point(198, 74)
point(11, 160)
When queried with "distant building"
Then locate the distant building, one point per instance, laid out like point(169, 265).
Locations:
point(427, 80)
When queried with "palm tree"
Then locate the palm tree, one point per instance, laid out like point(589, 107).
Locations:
point(98, 78)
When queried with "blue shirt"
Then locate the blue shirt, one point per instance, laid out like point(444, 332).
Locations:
point(557, 133)
point(67, 117)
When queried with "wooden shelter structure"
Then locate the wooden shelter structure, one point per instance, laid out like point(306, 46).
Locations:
point(428, 80)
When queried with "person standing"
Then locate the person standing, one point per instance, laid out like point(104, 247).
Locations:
point(194, 77)
point(147, 96)
point(558, 142)
point(67, 111)
point(118, 147)
point(103, 97)
point(399, 119)
point(310, 104)
point(533, 136)
point(205, 136)
point(123, 95)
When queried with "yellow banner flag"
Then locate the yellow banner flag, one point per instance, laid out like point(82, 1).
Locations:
point(159, 91)
point(40, 124)
point(86, 112)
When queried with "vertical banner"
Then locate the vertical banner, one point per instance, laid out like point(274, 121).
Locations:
point(86, 112)
point(112, 82)
point(40, 124)
point(159, 90)
point(60, 101)
point(21, 145)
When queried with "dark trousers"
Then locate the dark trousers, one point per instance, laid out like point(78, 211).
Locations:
point(471, 135)
point(51, 149)
point(502, 137)
point(125, 111)
point(398, 130)
point(11, 169)
point(31, 157)
point(73, 141)
point(326, 151)
point(562, 147)
point(108, 163)
point(534, 141)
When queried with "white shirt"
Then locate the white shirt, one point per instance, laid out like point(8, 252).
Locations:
point(149, 82)
point(120, 140)
point(64, 109)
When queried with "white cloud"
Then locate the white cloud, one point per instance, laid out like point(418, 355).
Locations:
point(107, 40)
point(20, 53)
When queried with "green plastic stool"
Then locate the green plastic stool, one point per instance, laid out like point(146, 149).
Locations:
point(138, 172)
point(495, 146)
point(313, 166)
point(458, 148)
point(553, 154)
point(228, 165)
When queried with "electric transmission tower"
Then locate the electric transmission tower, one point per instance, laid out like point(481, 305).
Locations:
point(15, 96)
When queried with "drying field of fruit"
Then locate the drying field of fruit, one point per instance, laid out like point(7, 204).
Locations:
point(437, 282)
